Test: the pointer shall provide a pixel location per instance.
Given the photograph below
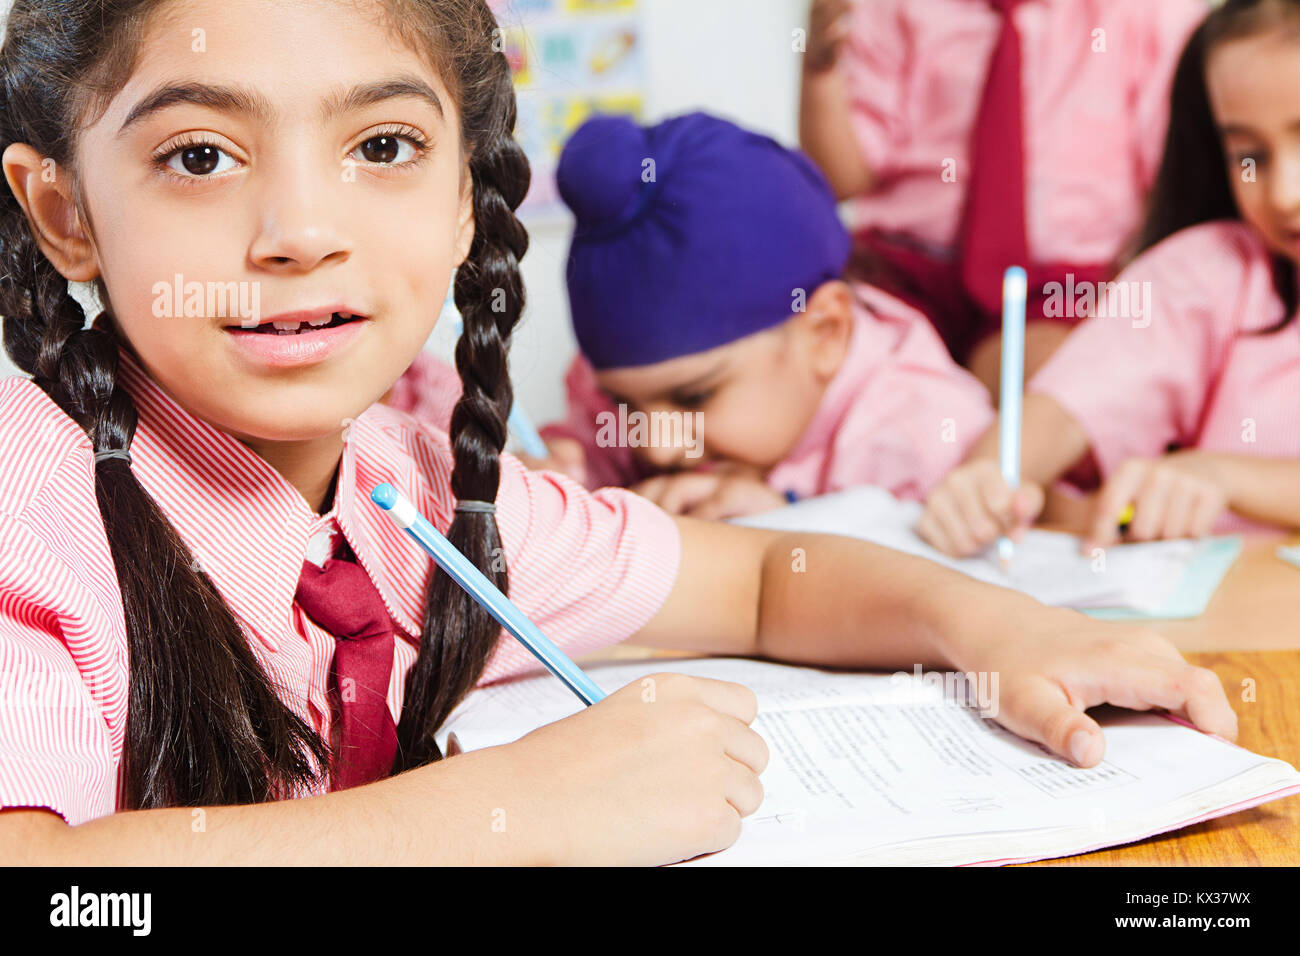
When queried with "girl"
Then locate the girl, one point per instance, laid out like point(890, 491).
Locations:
point(1213, 371)
point(710, 295)
point(976, 134)
point(167, 468)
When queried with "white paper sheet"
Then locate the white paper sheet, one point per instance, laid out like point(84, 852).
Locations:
point(1047, 565)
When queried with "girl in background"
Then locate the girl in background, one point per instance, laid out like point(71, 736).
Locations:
point(176, 478)
point(1190, 414)
point(971, 135)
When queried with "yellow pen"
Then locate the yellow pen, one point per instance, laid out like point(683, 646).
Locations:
point(1126, 518)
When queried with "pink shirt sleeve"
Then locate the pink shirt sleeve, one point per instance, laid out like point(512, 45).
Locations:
point(590, 568)
point(57, 749)
point(874, 59)
point(1167, 26)
point(1138, 383)
point(606, 466)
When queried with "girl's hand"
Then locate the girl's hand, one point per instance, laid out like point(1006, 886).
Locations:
point(828, 26)
point(1179, 495)
point(660, 771)
point(1052, 668)
point(973, 507)
point(566, 455)
point(726, 492)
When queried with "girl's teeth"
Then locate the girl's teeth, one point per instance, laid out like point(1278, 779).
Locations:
point(285, 326)
point(317, 323)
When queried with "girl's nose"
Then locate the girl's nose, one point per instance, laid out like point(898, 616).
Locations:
point(300, 219)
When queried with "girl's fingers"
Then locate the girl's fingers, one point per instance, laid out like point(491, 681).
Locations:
point(684, 491)
point(944, 509)
point(1205, 512)
point(1151, 504)
point(1183, 496)
point(1115, 494)
point(745, 746)
point(1038, 709)
point(1028, 504)
point(929, 529)
point(982, 523)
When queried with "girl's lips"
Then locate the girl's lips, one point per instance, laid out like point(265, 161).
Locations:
point(269, 350)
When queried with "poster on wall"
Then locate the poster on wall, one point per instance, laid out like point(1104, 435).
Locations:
point(570, 58)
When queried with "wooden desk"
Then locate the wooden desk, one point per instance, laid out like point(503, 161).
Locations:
point(1249, 632)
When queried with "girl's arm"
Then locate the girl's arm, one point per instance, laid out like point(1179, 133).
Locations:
point(826, 130)
point(634, 779)
point(834, 601)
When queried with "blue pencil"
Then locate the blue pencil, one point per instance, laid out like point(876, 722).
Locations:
point(462, 571)
point(1015, 288)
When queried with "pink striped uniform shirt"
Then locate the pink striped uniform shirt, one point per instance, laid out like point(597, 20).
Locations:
point(589, 569)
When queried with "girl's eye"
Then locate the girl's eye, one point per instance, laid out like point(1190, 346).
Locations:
point(695, 399)
point(196, 160)
point(387, 150)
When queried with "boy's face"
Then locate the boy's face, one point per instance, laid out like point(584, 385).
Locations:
point(299, 184)
point(754, 397)
point(1252, 83)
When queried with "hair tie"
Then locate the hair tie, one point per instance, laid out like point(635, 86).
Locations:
point(469, 504)
point(113, 453)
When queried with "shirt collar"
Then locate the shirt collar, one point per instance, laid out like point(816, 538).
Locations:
point(248, 527)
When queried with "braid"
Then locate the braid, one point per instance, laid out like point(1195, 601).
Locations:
point(458, 635)
point(204, 724)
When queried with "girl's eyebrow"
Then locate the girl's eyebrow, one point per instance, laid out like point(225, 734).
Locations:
point(248, 102)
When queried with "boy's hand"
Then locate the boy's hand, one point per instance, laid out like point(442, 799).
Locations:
point(1179, 495)
point(1048, 677)
point(567, 456)
point(973, 507)
point(828, 25)
point(727, 492)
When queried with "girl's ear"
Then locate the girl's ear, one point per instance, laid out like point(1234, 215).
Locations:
point(45, 193)
point(465, 228)
point(825, 326)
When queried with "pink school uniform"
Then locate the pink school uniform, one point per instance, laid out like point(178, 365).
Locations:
point(1094, 118)
point(1194, 372)
point(898, 414)
point(590, 569)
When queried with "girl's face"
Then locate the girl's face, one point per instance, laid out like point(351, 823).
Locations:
point(1254, 87)
point(755, 396)
point(297, 158)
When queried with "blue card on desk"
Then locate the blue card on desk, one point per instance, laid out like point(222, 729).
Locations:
point(1194, 590)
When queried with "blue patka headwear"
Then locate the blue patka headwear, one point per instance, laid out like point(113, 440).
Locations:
point(690, 234)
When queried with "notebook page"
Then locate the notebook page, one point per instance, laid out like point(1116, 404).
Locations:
point(866, 764)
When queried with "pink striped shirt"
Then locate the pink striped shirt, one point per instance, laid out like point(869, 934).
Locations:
point(1189, 372)
point(1094, 118)
point(899, 412)
point(590, 569)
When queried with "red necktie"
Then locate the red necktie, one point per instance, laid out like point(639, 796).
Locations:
point(993, 225)
point(341, 598)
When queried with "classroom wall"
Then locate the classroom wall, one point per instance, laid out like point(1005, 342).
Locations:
point(732, 57)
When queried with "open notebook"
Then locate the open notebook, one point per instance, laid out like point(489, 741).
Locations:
point(1166, 579)
point(904, 769)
